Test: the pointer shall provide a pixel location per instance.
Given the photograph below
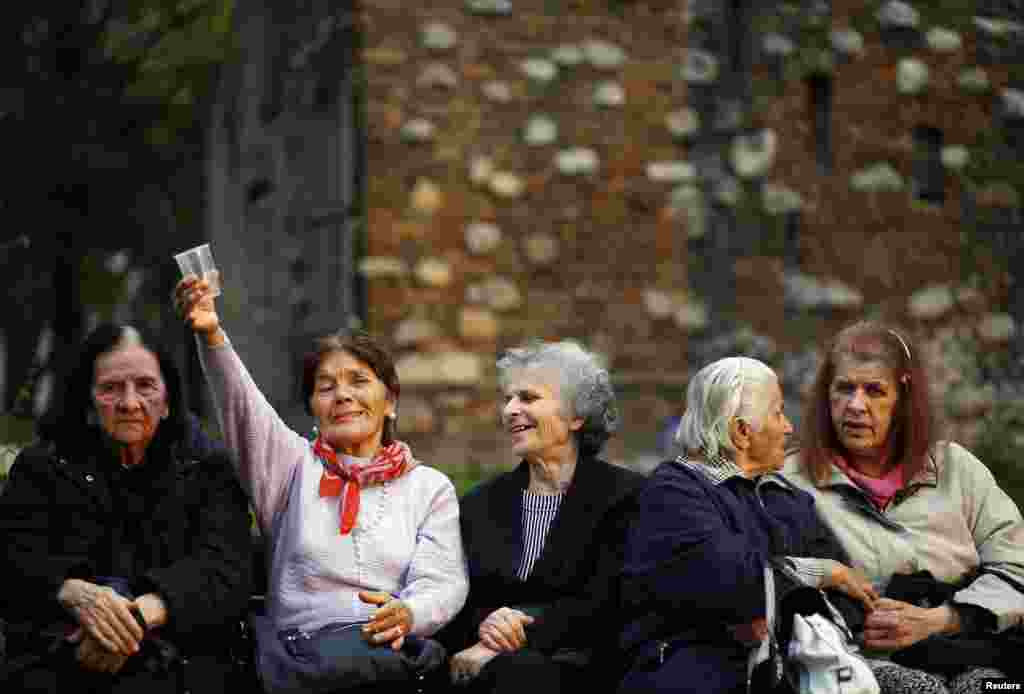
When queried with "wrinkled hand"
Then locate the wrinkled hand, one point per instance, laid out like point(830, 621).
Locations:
point(390, 623)
point(895, 624)
point(91, 655)
point(103, 615)
point(752, 633)
point(466, 665)
point(194, 304)
point(504, 630)
point(853, 583)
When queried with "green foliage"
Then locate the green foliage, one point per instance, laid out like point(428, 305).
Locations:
point(1001, 447)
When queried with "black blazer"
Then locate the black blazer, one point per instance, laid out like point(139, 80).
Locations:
point(575, 578)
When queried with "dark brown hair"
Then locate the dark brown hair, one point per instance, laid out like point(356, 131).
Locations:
point(913, 425)
point(365, 349)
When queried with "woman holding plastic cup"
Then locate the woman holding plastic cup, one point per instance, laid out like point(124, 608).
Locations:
point(359, 533)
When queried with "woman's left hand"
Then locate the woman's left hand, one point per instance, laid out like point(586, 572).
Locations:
point(390, 623)
point(91, 655)
point(894, 624)
point(466, 664)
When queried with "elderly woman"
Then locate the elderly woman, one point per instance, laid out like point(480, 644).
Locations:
point(358, 531)
point(544, 541)
point(902, 503)
point(710, 522)
point(124, 544)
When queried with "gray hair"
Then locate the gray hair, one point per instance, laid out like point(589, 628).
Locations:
point(721, 391)
point(585, 387)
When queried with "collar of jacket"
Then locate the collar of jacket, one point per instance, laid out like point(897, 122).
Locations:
point(721, 473)
point(927, 476)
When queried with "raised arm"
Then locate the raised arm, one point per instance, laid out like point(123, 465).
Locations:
point(265, 450)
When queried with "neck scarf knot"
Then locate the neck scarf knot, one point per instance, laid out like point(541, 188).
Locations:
point(346, 480)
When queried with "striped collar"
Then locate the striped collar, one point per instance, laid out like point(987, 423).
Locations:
point(717, 469)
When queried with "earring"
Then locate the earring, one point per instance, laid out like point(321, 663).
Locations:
point(316, 432)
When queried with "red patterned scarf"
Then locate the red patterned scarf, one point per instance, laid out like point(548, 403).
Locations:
point(347, 479)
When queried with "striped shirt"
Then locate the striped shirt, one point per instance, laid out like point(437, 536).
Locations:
point(539, 511)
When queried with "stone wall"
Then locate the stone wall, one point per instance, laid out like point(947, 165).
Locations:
point(521, 162)
point(670, 182)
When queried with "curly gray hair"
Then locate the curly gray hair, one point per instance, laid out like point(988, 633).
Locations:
point(585, 387)
point(721, 391)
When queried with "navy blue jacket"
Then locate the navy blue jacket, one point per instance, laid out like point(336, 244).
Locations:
point(694, 565)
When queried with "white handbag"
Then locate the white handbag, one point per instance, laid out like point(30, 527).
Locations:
point(825, 660)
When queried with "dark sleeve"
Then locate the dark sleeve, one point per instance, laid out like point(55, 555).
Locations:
point(38, 556)
point(587, 617)
point(975, 619)
point(683, 560)
point(213, 582)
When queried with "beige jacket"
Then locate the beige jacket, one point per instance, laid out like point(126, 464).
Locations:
point(952, 519)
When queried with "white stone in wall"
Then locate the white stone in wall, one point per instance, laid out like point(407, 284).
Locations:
point(460, 368)
point(480, 170)
point(911, 76)
point(700, 67)
point(898, 15)
point(996, 329)
point(498, 292)
point(998, 28)
point(577, 161)
point(478, 324)
point(383, 267)
point(427, 197)
point(683, 124)
point(609, 94)
point(540, 130)
point(692, 316)
point(942, 40)
point(931, 303)
point(1013, 103)
point(658, 303)
point(671, 172)
point(807, 292)
point(494, 8)
point(688, 200)
point(753, 155)
point(541, 249)
point(955, 157)
point(482, 238)
point(974, 80)
point(567, 55)
point(418, 130)
point(437, 75)
point(877, 178)
point(438, 36)
point(778, 199)
point(603, 55)
point(506, 185)
point(497, 91)
point(415, 331)
point(777, 45)
point(847, 42)
point(434, 272)
point(539, 69)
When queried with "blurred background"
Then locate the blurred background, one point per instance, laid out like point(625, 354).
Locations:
point(666, 181)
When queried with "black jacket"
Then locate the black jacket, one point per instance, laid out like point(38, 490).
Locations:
point(574, 579)
point(177, 526)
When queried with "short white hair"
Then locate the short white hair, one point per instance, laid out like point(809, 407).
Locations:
point(727, 389)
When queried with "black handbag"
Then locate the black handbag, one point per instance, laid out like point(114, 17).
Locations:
point(337, 656)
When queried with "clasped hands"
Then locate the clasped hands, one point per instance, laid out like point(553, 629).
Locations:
point(107, 634)
point(503, 631)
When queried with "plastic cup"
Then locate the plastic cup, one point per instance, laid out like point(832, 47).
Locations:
point(198, 261)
